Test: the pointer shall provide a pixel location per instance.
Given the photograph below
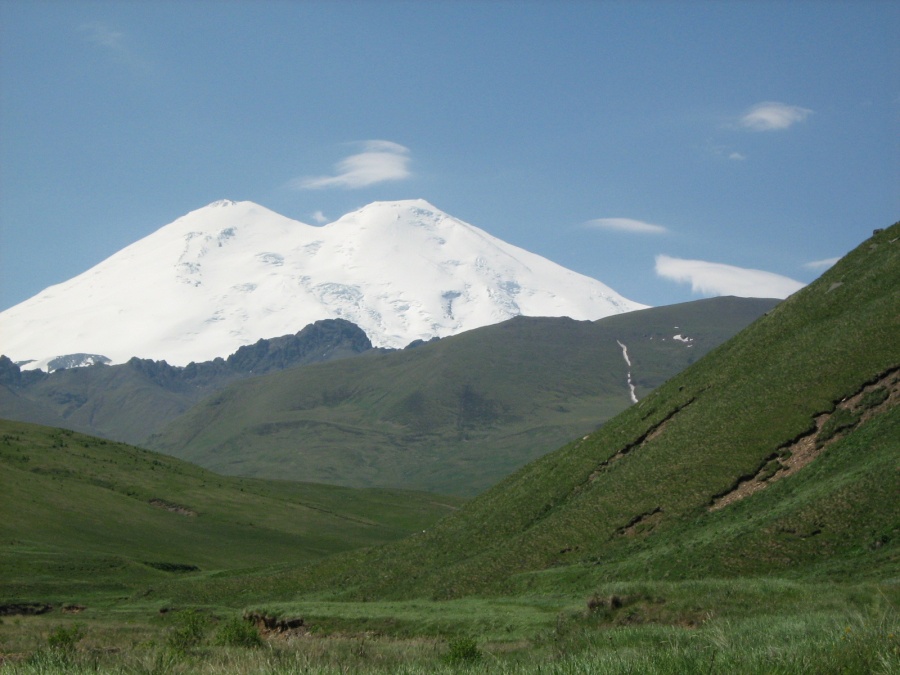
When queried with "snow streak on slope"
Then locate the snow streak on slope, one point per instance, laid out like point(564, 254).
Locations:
point(634, 398)
point(230, 273)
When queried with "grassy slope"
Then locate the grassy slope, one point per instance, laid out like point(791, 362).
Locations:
point(77, 514)
point(560, 522)
point(118, 402)
point(453, 416)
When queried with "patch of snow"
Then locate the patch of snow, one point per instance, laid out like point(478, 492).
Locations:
point(54, 363)
point(634, 398)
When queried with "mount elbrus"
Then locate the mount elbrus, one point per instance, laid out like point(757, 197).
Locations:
point(230, 273)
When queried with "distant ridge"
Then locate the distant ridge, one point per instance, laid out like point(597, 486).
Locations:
point(452, 416)
point(230, 273)
point(129, 401)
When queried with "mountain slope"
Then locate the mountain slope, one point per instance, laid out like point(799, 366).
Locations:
point(231, 273)
point(452, 416)
point(803, 402)
point(130, 401)
point(81, 510)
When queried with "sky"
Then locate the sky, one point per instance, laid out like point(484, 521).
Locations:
point(672, 150)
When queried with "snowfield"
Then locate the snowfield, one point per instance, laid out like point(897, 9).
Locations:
point(231, 273)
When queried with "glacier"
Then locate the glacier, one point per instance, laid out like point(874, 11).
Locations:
point(230, 273)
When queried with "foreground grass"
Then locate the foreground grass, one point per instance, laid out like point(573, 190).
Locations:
point(697, 627)
point(815, 644)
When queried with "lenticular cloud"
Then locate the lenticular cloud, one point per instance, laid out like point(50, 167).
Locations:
point(710, 278)
point(626, 225)
point(773, 116)
point(380, 161)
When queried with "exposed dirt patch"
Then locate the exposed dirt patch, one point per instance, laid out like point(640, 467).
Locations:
point(73, 609)
point(849, 413)
point(172, 567)
point(25, 609)
point(12, 657)
point(273, 626)
point(174, 508)
point(629, 610)
point(641, 524)
point(653, 432)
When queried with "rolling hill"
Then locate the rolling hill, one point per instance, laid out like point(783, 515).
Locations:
point(82, 512)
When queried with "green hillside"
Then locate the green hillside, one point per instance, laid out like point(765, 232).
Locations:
point(85, 513)
point(453, 416)
point(803, 402)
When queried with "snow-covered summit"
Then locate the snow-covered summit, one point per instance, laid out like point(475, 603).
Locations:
point(230, 273)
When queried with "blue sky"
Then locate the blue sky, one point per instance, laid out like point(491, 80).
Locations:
point(672, 150)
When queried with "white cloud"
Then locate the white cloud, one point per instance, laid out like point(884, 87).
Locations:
point(710, 278)
point(116, 44)
point(379, 161)
point(773, 116)
point(626, 225)
point(737, 157)
point(106, 36)
point(821, 264)
point(319, 217)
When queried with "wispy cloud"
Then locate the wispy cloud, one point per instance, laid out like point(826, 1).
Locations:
point(626, 225)
point(115, 42)
point(379, 161)
point(104, 35)
point(319, 217)
point(725, 151)
point(710, 278)
point(773, 116)
point(821, 264)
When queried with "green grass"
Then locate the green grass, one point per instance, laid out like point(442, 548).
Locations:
point(716, 626)
point(84, 516)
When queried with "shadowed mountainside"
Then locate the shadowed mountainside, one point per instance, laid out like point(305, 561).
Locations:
point(128, 402)
point(455, 415)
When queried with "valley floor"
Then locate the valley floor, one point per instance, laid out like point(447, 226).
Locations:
point(714, 626)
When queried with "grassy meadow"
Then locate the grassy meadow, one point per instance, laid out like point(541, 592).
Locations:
point(711, 626)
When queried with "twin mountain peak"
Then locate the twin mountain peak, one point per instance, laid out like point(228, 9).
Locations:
point(230, 273)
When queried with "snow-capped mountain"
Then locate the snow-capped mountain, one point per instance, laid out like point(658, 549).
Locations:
point(231, 273)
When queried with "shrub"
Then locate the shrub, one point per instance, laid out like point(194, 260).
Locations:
point(188, 633)
point(874, 398)
point(238, 633)
point(65, 639)
point(462, 651)
point(840, 420)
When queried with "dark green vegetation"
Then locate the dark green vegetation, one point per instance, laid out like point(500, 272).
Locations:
point(130, 401)
point(85, 513)
point(453, 416)
point(742, 518)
